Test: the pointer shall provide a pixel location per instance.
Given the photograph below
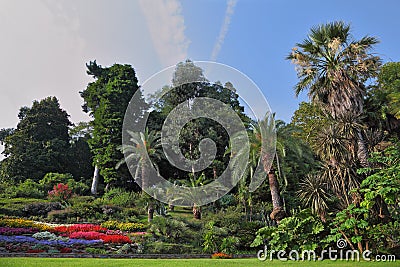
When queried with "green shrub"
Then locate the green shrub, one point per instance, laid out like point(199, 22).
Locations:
point(120, 197)
point(302, 231)
point(81, 199)
point(88, 210)
point(129, 213)
point(96, 251)
point(173, 231)
point(15, 206)
point(212, 237)
point(65, 215)
point(111, 211)
point(169, 248)
point(29, 189)
point(51, 179)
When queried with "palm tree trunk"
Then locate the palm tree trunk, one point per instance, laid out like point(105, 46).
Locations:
point(362, 150)
point(95, 182)
point(278, 212)
point(171, 207)
point(150, 212)
point(145, 182)
point(196, 212)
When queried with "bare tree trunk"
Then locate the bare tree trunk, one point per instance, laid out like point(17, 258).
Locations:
point(95, 182)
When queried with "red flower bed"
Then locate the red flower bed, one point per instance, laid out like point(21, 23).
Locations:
point(65, 250)
point(115, 239)
point(35, 251)
point(79, 228)
point(101, 236)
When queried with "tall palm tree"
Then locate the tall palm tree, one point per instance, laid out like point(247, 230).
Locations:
point(142, 147)
point(264, 134)
point(333, 67)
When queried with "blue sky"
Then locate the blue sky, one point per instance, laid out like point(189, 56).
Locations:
point(262, 33)
point(46, 43)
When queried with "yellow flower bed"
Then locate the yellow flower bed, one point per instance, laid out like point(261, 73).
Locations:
point(18, 222)
point(128, 227)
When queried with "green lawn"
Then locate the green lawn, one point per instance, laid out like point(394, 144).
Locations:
point(27, 262)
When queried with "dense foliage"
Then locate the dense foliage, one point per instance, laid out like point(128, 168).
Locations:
point(335, 175)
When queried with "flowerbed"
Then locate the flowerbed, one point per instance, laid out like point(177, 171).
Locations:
point(221, 255)
point(17, 231)
point(20, 235)
point(29, 239)
point(79, 228)
point(129, 227)
point(104, 237)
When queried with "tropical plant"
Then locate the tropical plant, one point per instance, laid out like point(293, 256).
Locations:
point(301, 231)
point(314, 193)
point(142, 147)
point(333, 67)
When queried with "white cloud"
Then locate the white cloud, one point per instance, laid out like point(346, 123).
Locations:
point(166, 25)
point(230, 10)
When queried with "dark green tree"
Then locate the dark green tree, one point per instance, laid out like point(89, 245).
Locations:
point(389, 82)
point(80, 156)
point(106, 100)
point(184, 89)
point(39, 143)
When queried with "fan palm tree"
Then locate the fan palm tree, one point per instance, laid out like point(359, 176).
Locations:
point(333, 67)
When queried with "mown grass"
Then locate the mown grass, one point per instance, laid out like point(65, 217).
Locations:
point(42, 262)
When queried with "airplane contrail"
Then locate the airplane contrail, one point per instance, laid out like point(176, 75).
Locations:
point(230, 9)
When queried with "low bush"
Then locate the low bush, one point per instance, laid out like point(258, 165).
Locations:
point(88, 210)
point(66, 215)
point(26, 189)
point(159, 247)
point(51, 179)
point(41, 208)
point(96, 251)
point(120, 197)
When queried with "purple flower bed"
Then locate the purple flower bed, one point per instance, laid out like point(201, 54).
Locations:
point(17, 231)
point(28, 239)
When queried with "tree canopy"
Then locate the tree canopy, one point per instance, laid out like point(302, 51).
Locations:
point(39, 143)
point(106, 100)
